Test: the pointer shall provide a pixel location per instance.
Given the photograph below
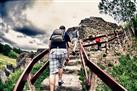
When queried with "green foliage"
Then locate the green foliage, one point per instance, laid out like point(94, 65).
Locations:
point(134, 24)
point(4, 60)
point(82, 79)
point(110, 64)
point(6, 49)
point(101, 66)
point(17, 50)
point(103, 87)
point(12, 54)
point(1, 85)
point(125, 73)
point(41, 78)
point(12, 79)
point(120, 10)
point(1, 48)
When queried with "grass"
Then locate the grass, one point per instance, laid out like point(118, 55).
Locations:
point(10, 83)
point(44, 75)
point(6, 60)
point(125, 73)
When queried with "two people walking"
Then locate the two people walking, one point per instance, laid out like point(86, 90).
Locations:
point(58, 55)
point(59, 52)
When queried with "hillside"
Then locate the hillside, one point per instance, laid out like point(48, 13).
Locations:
point(120, 61)
point(4, 60)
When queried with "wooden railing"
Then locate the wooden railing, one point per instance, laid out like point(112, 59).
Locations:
point(104, 35)
point(85, 62)
point(106, 78)
point(24, 76)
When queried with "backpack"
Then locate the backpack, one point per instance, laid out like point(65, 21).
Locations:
point(97, 40)
point(74, 34)
point(58, 35)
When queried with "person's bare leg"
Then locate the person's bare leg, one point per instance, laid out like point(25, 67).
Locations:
point(52, 81)
point(60, 73)
point(75, 45)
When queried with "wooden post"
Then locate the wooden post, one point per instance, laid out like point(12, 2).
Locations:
point(118, 39)
point(93, 80)
point(106, 44)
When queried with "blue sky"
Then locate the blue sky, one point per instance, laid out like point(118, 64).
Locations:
point(28, 23)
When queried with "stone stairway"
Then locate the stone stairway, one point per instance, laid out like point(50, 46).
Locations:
point(70, 78)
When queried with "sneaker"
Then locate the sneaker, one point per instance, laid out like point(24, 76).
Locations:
point(60, 82)
point(73, 53)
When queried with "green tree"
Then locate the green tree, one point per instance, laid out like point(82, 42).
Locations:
point(120, 10)
point(134, 24)
point(6, 49)
point(1, 48)
point(17, 50)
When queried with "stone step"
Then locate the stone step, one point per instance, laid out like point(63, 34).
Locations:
point(74, 62)
point(72, 69)
point(70, 78)
point(71, 83)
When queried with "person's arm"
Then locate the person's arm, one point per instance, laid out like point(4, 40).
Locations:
point(67, 59)
point(49, 44)
point(67, 40)
point(78, 34)
point(68, 50)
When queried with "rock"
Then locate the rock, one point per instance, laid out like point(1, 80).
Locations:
point(21, 60)
point(3, 76)
point(6, 72)
point(89, 26)
point(9, 69)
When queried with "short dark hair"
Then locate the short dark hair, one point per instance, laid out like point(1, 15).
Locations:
point(62, 27)
point(74, 28)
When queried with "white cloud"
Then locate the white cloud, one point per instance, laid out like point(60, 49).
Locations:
point(23, 41)
point(51, 14)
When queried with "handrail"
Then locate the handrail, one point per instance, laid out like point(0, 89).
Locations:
point(93, 38)
point(23, 78)
point(39, 72)
point(106, 78)
point(109, 40)
point(83, 64)
point(86, 62)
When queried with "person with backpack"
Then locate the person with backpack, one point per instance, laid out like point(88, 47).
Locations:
point(58, 55)
point(97, 39)
point(74, 39)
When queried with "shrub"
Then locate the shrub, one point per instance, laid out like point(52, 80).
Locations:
point(17, 50)
point(125, 73)
point(12, 79)
point(1, 85)
point(12, 54)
